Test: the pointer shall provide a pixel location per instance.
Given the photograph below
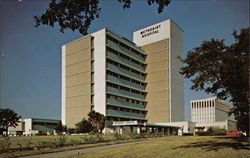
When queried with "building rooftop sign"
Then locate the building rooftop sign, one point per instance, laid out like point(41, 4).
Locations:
point(150, 31)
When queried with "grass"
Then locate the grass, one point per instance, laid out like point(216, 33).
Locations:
point(41, 141)
point(53, 150)
point(169, 146)
point(176, 147)
point(30, 145)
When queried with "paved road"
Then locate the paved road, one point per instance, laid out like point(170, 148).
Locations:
point(81, 151)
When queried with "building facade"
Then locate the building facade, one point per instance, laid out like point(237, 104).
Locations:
point(123, 80)
point(34, 126)
point(206, 113)
point(209, 110)
point(163, 42)
point(106, 73)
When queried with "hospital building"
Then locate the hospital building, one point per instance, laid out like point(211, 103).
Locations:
point(127, 81)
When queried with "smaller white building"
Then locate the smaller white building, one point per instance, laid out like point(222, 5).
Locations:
point(209, 110)
point(206, 113)
point(212, 112)
point(33, 126)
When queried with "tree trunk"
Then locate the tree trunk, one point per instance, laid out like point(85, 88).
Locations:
point(247, 133)
point(6, 132)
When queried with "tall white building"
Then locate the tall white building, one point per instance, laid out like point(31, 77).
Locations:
point(124, 80)
point(162, 43)
point(209, 110)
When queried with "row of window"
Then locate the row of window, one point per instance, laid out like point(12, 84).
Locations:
point(125, 109)
point(203, 104)
point(125, 46)
point(109, 118)
point(92, 75)
point(204, 119)
point(125, 100)
point(126, 57)
point(92, 49)
point(203, 116)
point(125, 78)
point(198, 116)
point(125, 67)
point(125, 89)
point(202, 111)
point(45, 123)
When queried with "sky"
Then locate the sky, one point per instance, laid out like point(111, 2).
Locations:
point(30, 58)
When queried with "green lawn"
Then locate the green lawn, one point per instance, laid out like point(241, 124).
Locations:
point(179, 147)
point(167, 146)
point(41, 141)
point(29, 145)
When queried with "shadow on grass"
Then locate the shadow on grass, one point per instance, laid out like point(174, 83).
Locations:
point(237, 143)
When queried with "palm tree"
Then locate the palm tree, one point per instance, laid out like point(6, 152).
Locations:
point(97, 120)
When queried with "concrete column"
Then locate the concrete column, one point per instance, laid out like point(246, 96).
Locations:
point(138, 130)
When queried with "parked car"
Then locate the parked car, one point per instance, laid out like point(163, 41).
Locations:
point(235, 133)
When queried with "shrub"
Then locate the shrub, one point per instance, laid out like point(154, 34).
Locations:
point(28, 142)
point(60, 128)
point(117, 136)
point(71, 130)
point(94, 131)
point(5, 144)
point(84, 126)
point(75, 142)
point(121, 136)
point(202, 133)
point(44, 144)
point(152, 135)
point(216, 131)
point(187, 134)
point(89, 140)
point(61, 140)
point(135, 136)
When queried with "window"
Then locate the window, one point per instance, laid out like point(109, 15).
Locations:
point(112, 62)
point(112, 85)
point(113, 40)
point(125, 67)
point(92, 99)
point(112, 51)
point(125, 57)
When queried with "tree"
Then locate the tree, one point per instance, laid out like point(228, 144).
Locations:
point(84, 126)
point(78, 14)
point(8, 118)
point(223, 70)
point(97, 120)
point(60, 128)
